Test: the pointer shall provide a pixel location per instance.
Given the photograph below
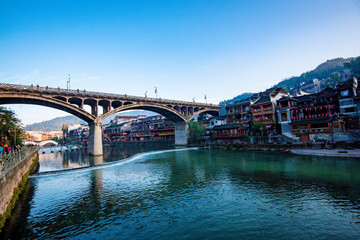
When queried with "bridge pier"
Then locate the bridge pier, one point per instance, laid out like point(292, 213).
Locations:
point(95, 138)
point(181, 133)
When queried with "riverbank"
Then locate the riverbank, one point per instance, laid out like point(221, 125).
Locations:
point(349, 153)
point(299, 149)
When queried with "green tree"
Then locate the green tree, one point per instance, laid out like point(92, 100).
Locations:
point(354, 66)
point(259, 129)
point(196, 131)
point(10, 128)
point(335, 78)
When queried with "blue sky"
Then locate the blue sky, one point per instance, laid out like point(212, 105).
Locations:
point(184, 48)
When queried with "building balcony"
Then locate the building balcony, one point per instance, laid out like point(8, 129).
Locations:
point(311, 131)
point(314, 116)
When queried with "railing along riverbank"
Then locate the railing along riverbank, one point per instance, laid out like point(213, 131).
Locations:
point(9, 160)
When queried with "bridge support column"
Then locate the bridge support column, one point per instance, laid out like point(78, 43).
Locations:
point(95, 138)
point(181, 133)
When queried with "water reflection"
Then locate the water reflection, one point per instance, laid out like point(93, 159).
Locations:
point(80, 157)
point(196, 194)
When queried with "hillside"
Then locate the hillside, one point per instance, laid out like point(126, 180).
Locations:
point(324, 70)
point(56, 123)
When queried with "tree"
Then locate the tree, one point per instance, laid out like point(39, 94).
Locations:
point(354, 66)
point(196, 131)
point(259, 129)
point(335, 78)
point(10, 128)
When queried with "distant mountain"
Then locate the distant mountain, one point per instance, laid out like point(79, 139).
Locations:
point(56, 123)
point(322, 71)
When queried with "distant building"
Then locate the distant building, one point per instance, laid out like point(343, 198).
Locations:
point(263, 109)
point(313, 86)
point(349, 103)
point(152, 128)
point(315, 114)
point(117, 132)
point(217, 121)
point(121, 119)
point(284, 108)
point(232, 132)
point(78, 133)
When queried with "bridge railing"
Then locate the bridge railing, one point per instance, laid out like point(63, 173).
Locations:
point(97, 94)
point(11, 159)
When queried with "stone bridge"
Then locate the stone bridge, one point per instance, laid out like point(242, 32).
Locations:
point(73, 101)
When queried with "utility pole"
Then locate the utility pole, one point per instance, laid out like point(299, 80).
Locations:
point(156, 92)
point(69, 80)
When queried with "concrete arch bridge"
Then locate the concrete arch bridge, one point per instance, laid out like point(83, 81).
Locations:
point(73, 101)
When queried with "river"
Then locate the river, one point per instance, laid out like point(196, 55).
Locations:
point(167, 193)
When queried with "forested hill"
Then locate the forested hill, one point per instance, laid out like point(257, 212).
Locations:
point(322, 71)
point(54, 124)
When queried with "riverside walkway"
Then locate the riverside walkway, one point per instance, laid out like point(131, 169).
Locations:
point(7, 161)
point(15, 168)
point(352, 153)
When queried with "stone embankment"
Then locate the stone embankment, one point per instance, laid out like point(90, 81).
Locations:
point(14, 171)
point(350, 153)
point(314, 149)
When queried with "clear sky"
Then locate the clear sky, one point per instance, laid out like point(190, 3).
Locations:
point(184, 48)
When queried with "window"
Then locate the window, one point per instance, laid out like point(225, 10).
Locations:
point(284, 116)
point(346, 102)
point(345, 93)
point(349, 110)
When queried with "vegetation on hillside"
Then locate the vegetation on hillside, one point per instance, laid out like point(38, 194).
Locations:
point(354, 66)
point(328, 69)
point(54, 124)
point(324, 70)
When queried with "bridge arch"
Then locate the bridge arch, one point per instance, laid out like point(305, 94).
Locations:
point(164, 110)
point(214, 113)
point(48, 143)
point(16, 98)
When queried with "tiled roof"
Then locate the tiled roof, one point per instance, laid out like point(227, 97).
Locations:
point(263, 99)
